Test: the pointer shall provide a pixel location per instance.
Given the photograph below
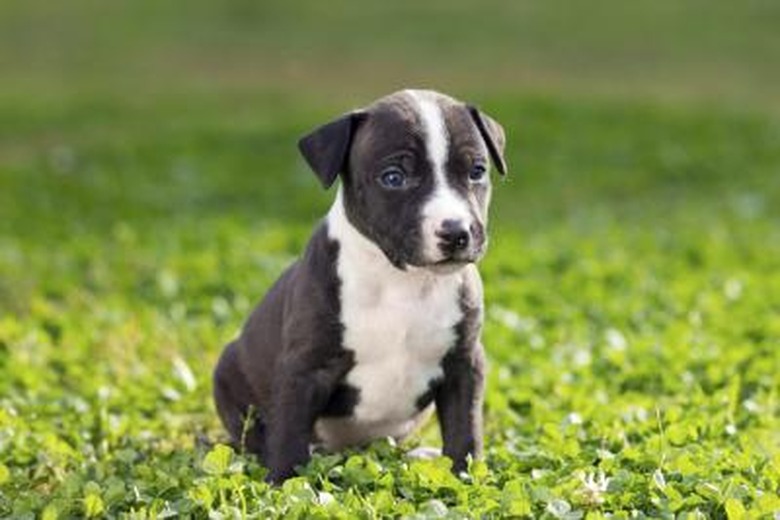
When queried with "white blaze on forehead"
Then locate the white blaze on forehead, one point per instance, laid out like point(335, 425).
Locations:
point(444, 202)
point(436, 137)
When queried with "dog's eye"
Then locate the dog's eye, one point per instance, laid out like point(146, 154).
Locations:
point(393, 178)
point(477, 172)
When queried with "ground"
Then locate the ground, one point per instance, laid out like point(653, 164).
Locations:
point(150, 191)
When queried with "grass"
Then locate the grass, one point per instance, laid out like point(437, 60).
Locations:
point(632, 286)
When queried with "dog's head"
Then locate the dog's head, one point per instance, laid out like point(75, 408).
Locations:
point(414, 167)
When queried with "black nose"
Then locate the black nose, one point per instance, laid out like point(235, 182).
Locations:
point(454, 236)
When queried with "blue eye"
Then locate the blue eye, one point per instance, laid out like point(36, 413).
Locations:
point(393, 178)
point(477, 172)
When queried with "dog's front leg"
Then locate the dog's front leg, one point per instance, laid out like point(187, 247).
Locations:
point(298, 397)
point(293, 412)
point(459, 404)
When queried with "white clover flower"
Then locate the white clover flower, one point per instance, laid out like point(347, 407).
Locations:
point(616, 341)
point(594, 486)
point(324, 498)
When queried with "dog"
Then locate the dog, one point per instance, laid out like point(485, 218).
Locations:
point(379, 321)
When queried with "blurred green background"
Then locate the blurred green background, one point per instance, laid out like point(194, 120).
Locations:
point(694, 50)
point(150, 191)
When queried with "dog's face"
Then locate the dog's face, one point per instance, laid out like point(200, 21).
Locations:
point(415, 175)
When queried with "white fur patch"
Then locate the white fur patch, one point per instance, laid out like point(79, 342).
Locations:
point(399, 324)
point(436, 136)
point(445, 203)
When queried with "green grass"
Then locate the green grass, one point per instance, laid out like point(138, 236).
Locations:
point(632, 286)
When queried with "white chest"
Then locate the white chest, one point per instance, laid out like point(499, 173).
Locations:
point(399, 330)
point(399, 325)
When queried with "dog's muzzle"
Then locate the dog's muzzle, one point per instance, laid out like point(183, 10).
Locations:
point(458, 243)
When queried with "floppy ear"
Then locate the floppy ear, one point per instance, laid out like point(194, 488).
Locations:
point(326, 149)
point(493, 134)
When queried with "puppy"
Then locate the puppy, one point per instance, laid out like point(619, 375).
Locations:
point(380, 318)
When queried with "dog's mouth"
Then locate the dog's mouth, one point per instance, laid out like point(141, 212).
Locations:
point(448, 266)
point(452, 263)
point(440, 266)
point(445, 263)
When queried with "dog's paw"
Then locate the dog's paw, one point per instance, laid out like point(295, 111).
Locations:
point(424, 453)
